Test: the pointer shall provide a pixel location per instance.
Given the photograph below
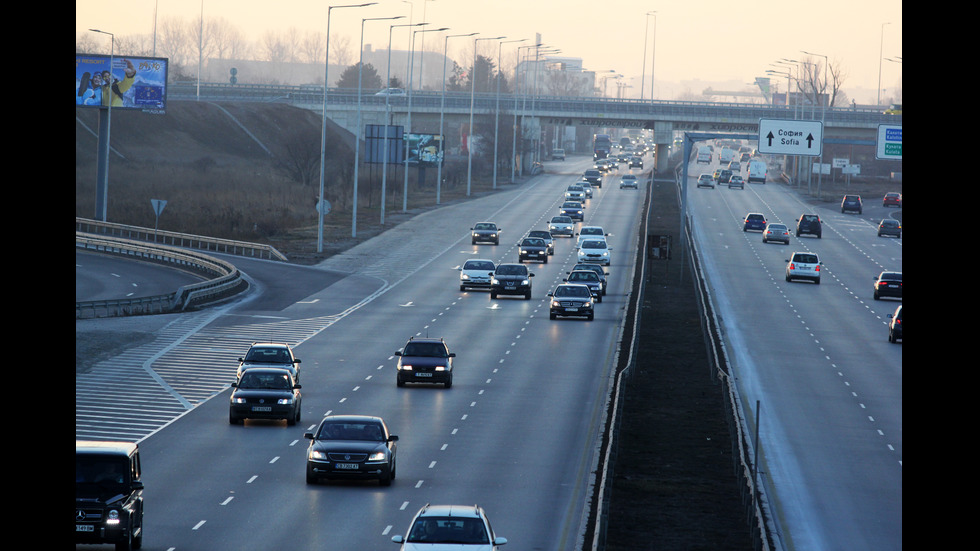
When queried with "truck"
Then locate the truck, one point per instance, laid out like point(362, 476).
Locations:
point(601, 146)
point(704, 155)
point(757, 171)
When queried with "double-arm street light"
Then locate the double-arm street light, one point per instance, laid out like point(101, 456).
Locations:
point(408, 128)
point(513, 153)
point(881, 53)
point(384, 162)
point(357, 126)
point(442, 116)
point(469, 133)
point(323, 130)
point(496, 122)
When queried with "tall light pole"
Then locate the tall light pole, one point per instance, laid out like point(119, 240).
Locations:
point(643, 78)
point(384, 162)
point(411, 72)
point(102, 185)
point(442, 116)
point(653, 56)
point(881, 53)
point(496, 122)
point(823, 115)
point(422, 46)
point(469, 133)
point(513, 153)
point(323, 130)
point(357, 126)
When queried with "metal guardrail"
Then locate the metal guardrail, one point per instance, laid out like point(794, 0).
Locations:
point(176, 239)
point(224, 278)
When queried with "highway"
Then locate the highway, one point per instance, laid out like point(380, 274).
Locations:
point(816, 358)
point(517, 432)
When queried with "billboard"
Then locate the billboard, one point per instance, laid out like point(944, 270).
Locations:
point(132, 82)
point(424, 149)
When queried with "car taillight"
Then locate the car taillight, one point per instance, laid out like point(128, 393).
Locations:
point(792, 266)
point(817, 268)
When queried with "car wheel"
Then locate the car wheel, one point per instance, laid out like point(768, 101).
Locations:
point(520, 260)
point(598, 298)
point(310, 479)
point(234, 420)
point(788, 278)
point(591, 316)
point(449, 382)
point(385, 480)
point(899, 236)
point(126, 545)
point(473, 242)
point(553, 315)
point(400, 382)
point(493, 295)
point(817, 281)
point(462, 288)
point(891, 338)
point(291, 420)
point(876, 297)
point(527, 296)
point(546, 260)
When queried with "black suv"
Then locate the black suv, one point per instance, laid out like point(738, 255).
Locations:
point(108, 494)
point(593, 176)
point(511, 279)
point(809, 224)
point(532, 248)
point(425, 361)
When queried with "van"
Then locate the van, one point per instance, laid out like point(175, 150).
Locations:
point(704, 155)
point(727, 154)
point(757, 171)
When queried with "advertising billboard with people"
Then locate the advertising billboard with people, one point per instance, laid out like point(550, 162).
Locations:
point(130, 83)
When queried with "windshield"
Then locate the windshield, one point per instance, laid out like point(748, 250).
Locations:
point(591, 231)
point(572, 291)
point(511, 270)
point(428, 349)
point(594, 245)
point(449, 530)
point(805, 258)
point(583, 276)
point(100, 476)
point(370, 432)
point(264, 381)
point(485, 227)
point(276, 355)
point(478, 265)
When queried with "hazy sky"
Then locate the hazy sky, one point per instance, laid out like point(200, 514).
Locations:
point(696, 40)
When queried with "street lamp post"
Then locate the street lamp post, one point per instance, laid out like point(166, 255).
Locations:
point(442, 116)
point(411, 72)
point(513, 153)
point(384, 162)
point(823, 115)
point(881, 53)
point(323, 130)
point(643, 78)
point(357, 126)
point(102, 176)
point(469, 133)
point(496, 122)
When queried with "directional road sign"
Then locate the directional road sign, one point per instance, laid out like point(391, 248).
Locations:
point(789, 137)
point(889, 144)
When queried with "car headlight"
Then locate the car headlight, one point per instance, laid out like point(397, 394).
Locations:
point(526, 282)
point(376, 456)
point(440, 368)
point(463, 276)
point(523, 251)
point(494, 281)
point(285, 401)
point(405, 367)
point(317, 454)
point(237, 400)
point(112, 517)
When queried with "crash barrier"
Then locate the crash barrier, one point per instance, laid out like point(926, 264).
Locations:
point(177, 239)
point(224, 279)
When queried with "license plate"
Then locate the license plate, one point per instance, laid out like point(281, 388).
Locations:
point(423, 374)
point(510, 287)
point(347, 466)
point(261, 408)
point(84, 528)
point(571, 309)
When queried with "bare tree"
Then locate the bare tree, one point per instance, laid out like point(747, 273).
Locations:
point(341, 50)
point(229, 42)
point(173, 42)
point(312, 46)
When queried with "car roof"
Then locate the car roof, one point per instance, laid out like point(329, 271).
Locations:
point(269, 345)
point(105, 447)
point(469, 511)
point(891, 274)
point(754, 214)
point(351, 419)
point(776, 225)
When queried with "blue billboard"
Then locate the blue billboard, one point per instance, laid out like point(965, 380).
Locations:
point(131, 83)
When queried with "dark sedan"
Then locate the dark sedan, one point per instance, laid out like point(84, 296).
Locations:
point(599, 271)
point(754, 221)
point(265, 393)
point(573, 210)
point(588, 278)
point(888, 284)
point(572, 299)
point(532, 248)
point(511, 279)
point(355, 447)
point(549, 240)
point(485, 232)
point(895, 326)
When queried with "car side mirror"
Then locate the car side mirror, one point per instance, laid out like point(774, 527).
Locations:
point(297, 360)
point(393, 438)
point(530, 275)
point(452, 354)
point(234, 385)
point(308, 435)
point(398, 352)
point(136, 485)
point(297, 385)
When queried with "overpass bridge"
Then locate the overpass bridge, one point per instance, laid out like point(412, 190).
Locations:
point(537, 112)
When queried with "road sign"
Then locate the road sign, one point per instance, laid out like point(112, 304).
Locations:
point(789, 137)
point(889, 144)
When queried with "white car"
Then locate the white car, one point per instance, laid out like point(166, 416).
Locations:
point(590, 232)
point(561, 225)
point(803, 265)
point(705, 180)
point(575, 192)
point(594, 251)
point(450, 527)
point(475, 273)
point(588, 189)
point(628, 181)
